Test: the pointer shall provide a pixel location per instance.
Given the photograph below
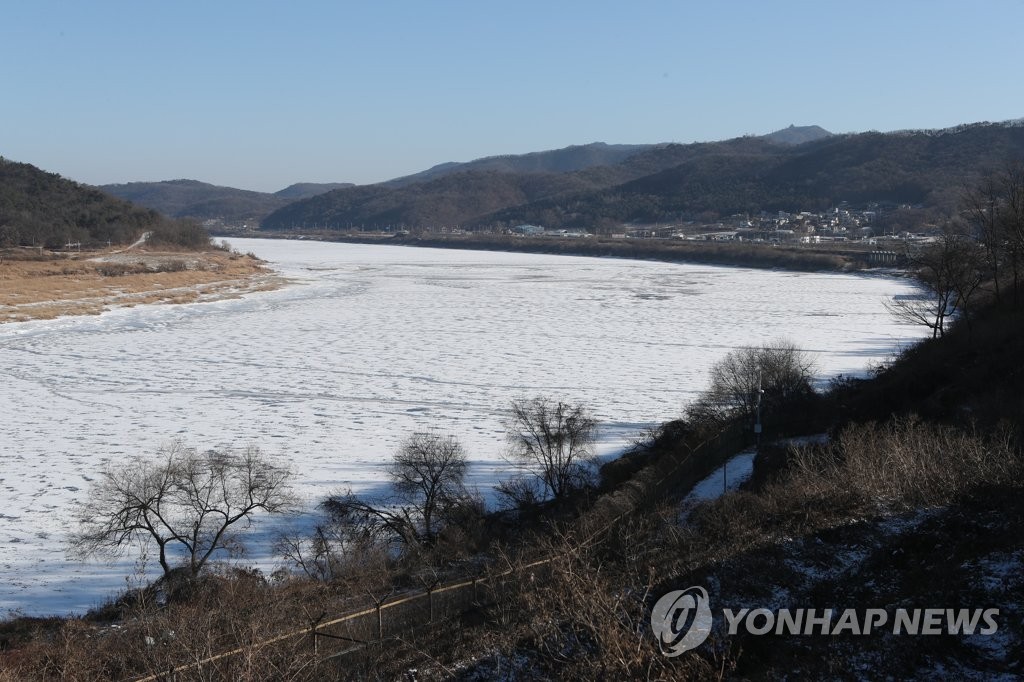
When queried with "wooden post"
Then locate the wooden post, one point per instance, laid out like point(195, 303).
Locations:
point(380, 623)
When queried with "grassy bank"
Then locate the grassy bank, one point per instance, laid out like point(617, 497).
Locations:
point(38, 284)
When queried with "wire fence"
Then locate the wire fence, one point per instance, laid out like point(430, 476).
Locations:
point(391, 616)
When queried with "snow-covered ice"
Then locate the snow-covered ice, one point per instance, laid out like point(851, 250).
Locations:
point(367, 345)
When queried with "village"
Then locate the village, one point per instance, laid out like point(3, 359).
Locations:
point(839, 225)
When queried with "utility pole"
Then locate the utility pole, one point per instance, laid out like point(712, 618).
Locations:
point(757, 424)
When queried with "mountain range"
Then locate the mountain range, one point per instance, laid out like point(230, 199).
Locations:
point(595, 186)
point(200, 200)
point(792, 169)
point(489, 189)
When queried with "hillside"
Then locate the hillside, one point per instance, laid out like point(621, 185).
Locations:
point(203, 201)
point(447, 200)
point(927, 168)
point(194, 199)
point(673, 182)
point(476, 196)
point(43, 209)
point(568, 159)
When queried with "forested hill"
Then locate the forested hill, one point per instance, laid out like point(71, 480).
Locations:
point(667, 183)
point(43, 209)
point(568, 159)
point(202, 201)
point(447, 200)
point(927, 168)
point(476, 195)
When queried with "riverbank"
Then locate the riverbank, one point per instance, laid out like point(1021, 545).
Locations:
point(806, 258)
point(43, 285)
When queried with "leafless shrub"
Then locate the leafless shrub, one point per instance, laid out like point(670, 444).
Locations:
point(869, 469)
point(907, 462)
point(173, 265)
point(121, 269)
point(334, 552)
point(584, 614)
point(227, 613)
point(520, 491)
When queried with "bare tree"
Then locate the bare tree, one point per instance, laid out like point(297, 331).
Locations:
point(553, 441)
point(746, 377)
point(950, 270)
point(189, 504)
point(995, 210)
point(967, 273)
point(427, 473)
point(983, 211)
point(1012, 220)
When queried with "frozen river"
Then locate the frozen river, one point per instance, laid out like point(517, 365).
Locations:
point(368, 344)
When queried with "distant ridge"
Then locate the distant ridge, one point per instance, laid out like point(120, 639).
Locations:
point(963, 127)
point(794, 169)
point(565, 160)
point(194, 199)
point(795, 135)
point(304, 190)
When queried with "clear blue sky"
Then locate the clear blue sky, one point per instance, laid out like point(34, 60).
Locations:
point(262, 94)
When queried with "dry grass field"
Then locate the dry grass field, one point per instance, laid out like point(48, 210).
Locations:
point(43, 285)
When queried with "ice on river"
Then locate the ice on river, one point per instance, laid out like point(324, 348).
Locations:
point(366, 345)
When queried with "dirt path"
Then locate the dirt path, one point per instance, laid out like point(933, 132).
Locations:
point(138, 242)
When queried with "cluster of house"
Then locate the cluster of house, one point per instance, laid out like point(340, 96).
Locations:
point(538, 231)
point(835, 225)
point(807, 227)
point(841, 224)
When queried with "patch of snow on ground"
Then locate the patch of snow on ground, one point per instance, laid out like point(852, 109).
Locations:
point(726, 478)
point(1000, 575)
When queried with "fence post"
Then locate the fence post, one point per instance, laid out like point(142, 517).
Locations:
point(430, 604)
point(380, 622)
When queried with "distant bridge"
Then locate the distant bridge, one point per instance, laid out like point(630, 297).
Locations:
point(886, 258)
